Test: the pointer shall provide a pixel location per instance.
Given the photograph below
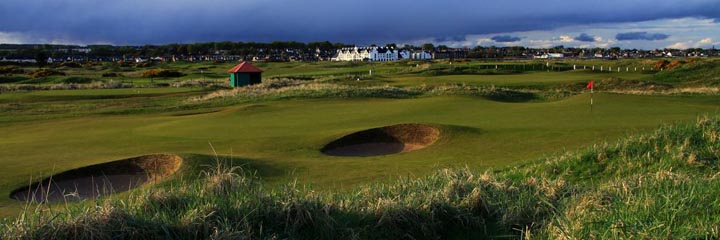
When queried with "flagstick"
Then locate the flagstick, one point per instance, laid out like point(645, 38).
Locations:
point(591, 96)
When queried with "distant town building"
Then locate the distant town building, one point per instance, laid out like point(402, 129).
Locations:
point(420, 55)
point(375, 54)
point(449, 54)
point(551, 56)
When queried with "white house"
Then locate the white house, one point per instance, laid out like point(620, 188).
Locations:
point(379, 54)
point(420, 55)
point(405, 54)
point(550, 56)
point(82, 50)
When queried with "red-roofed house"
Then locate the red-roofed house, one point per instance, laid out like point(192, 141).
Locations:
point(244, 74)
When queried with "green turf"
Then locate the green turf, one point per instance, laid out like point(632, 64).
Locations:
point(281, 139)
point(656, 185)
point(531, 79)
point(51, 131)
point(54, 104)
point(69, 95)
point(218, 71)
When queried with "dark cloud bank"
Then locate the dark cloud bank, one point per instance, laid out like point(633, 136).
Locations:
point(458, 38)
point(352, 21)
point(585, 38)
point(641, 36)
point(505, 38)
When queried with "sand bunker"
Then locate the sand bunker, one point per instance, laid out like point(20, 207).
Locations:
point(101, 179)
point(383, 141)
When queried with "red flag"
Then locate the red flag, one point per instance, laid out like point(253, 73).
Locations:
point(590, 85)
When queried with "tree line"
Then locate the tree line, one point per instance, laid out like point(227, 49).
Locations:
point(36, 51)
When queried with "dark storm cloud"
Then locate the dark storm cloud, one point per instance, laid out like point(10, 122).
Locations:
point(641, 36)
point(352, 21)
point(585, 38)
point(505, 38)
point(458, 38)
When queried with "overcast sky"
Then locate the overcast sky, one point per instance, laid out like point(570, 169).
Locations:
point(583, 23)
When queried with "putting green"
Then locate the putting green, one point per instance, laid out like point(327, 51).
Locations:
point(282, 139)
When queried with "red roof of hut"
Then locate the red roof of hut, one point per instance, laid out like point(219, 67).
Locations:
point(244, 67)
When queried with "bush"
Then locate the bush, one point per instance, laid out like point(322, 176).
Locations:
point(124, 64)
point(71, 65)
point(668, 65)
point(11, 70)
point(144, 64)
point(111, 74)
point(45, 72)
point(92, 64)
point(12, 79)
point(77, 80)
point(163, 73)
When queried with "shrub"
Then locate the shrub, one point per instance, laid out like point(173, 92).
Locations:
point(124, 64)
point(674, 64)
point(12, 79)
point(661, 64)
point(668, 65)
point(11, 70)
point(45, 72)
point(77, 80)
point(71, 65)
point(144, 64)
point(111, 74)
point(163, 73)
point(92, 64)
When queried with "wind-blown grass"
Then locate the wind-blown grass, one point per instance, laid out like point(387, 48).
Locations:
point(695, 73)
point(289, 88)
point(658, 185)
point(64, 86)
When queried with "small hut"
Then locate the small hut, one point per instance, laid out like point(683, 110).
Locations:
point(244, 74)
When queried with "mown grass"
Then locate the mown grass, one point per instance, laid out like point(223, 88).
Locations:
point(54, 104)
point(657, 185)
point(280, 128)
point(284, 137)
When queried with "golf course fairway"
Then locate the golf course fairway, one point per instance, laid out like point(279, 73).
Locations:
point(281, 140)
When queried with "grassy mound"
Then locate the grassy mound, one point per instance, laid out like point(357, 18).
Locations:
point(162, 73)
point(696, 73)
point(11, 70)
point(45, 72)
point(658, 185)
point(283, 88)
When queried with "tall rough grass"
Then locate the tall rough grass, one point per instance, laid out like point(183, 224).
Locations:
point(694, 73)
point(64, 86)
point(290, 88)
point(659, 185)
